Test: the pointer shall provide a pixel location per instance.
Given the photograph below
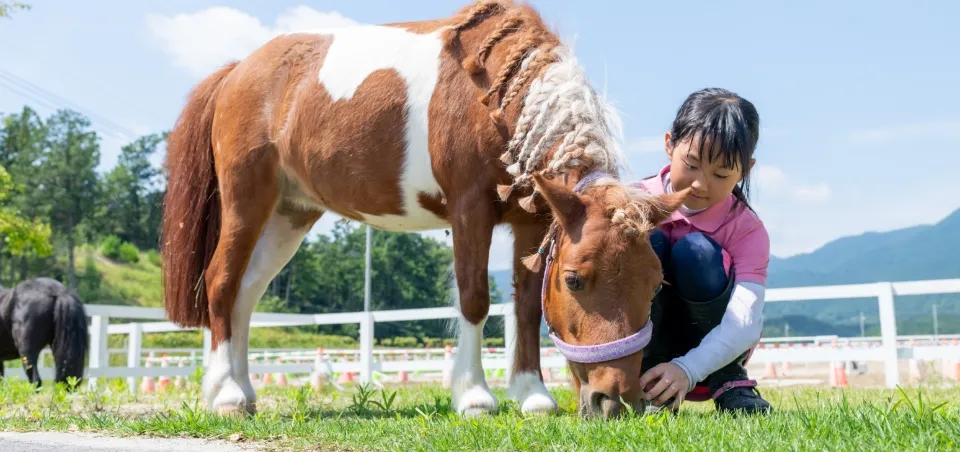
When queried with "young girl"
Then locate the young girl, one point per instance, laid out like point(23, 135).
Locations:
point(714, 252)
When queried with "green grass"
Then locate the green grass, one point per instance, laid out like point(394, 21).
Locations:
point(420, 419)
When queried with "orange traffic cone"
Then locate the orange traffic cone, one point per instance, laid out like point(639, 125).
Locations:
point(838, 375)
point(771, 371)
point(147, 385)
point(164, 381)
point(346, 377)
point(402, 376)
point(178, 382)
point(281, 376)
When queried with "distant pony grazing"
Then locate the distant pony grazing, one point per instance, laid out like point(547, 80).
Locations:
point(40, 312)
point(466, 122)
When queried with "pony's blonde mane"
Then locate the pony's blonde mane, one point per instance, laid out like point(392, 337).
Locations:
point(561, 106)
point(559, 110)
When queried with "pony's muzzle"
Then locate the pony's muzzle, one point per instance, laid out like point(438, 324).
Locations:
point(608, 404)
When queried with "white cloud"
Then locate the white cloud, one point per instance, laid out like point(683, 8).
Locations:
point(646, 145)
point(937, 129)
point(773, 181)
point(204, 40)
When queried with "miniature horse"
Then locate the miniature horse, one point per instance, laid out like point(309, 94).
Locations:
point(41, 312)
point(466, 122)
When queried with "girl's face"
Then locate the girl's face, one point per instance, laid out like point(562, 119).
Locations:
point(711, 182)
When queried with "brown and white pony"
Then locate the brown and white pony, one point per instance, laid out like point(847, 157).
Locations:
point(466, 122)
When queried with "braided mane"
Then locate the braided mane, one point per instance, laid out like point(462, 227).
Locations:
point(559, 106)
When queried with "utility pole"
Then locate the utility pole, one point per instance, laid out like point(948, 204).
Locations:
point(366, 272)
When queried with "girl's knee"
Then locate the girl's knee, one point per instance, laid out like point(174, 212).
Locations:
point(697, 265)
point(661, 246)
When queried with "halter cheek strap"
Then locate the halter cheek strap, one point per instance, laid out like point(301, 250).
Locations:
point(600, 352)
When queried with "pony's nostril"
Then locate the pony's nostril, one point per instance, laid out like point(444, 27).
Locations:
point(597, 399)
point(611, 408)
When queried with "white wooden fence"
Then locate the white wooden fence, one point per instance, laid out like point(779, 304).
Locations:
point(888, 352)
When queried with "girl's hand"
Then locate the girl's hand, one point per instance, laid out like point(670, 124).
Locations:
point(664, 381)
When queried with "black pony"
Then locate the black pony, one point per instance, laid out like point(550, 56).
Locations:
point(41, 312)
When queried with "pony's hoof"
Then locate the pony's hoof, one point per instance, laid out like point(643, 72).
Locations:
point(476, 401)
point(538, 404)
point(232, 410)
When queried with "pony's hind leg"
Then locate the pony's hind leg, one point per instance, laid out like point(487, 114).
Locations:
point(31, 366)
point(258, 236)
point(228, 385)
point(281, 237)
point(526, 381)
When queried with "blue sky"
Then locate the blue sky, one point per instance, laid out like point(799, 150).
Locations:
point(858, 99)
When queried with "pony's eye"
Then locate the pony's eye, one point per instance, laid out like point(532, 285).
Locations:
point(574, 281)
point(656, 290)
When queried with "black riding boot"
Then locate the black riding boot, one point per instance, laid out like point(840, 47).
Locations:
point(730, 386)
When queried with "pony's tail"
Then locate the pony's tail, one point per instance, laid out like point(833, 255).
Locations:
point(191, 206)
point(70, 337)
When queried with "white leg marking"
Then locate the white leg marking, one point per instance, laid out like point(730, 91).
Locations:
point(528, 389)
point(471, 396)
point(357, 52)
point(219, 386)
point(217, 371)
point(277, 244)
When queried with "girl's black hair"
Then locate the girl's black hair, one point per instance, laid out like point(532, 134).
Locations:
point(726, 123)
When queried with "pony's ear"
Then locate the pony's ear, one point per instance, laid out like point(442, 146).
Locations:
point(664, 205)
point(567, 207)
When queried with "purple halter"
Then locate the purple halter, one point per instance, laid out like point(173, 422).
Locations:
point(600, 352)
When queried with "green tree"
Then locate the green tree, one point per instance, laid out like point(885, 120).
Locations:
point(19, 235)
point(70, 181)
point(129, 207)
point(22, 138)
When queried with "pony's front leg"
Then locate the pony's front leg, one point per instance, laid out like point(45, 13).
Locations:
point(526, 380)
point(472, 223)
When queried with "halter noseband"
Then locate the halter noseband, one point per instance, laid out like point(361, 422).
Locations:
point(592, 353)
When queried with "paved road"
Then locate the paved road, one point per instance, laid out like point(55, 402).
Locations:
point(85, 442)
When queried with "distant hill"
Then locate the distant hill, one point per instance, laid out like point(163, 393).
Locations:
point(909, 254)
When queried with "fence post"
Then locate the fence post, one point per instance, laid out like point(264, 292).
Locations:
point(98, 346)
point(509, 341)
point(888, 334)
point(134, 347)
point(366, 347)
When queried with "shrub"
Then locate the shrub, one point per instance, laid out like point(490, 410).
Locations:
point(405, 342)
point(493, 342)
point(111, 247)
point(129, 254)
point(153, 257)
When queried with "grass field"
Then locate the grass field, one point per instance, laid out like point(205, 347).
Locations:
point(419, 418)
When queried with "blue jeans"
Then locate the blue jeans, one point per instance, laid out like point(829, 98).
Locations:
point(692, 304)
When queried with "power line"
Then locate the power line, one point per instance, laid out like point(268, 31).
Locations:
point(46, 98)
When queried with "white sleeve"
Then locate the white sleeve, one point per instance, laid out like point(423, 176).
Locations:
point(738, 331)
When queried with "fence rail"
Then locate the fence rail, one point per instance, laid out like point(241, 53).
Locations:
point(890, 350)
